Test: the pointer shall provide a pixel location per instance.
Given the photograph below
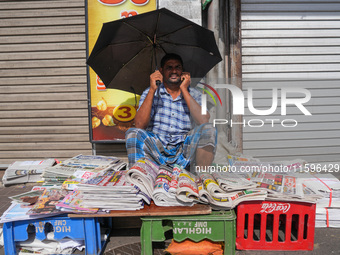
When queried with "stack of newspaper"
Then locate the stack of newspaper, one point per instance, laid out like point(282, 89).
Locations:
point(143, 174)
point(159, 183)
point(206, 189)
point(47, 202)
point(280, 186)
point(57, 174)
point(328, 207)
point(38, 203)
point(107, 191)
point(229, 181)
point(166, 185)
point(26, 171)
point(327, 217)
point(281, 180)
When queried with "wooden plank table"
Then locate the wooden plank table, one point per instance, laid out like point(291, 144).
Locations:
point(152, 210)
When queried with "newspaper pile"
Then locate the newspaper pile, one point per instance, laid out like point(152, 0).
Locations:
point(107, 191)
point(229, 181)
point(143, 174)
point(160, 183)
point(38, 203)
point(57, 174)
point(284, 187)
point(47, 202)
point(327, 217)
point(26, 171)
point(328, 207)
point(166, 185)
point(281, 180)
point(327, 185)
point(205, 188)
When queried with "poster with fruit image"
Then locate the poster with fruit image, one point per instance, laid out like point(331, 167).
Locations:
point(112, 111)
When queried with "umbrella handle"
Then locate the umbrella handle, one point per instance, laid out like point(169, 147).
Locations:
point(158, 83)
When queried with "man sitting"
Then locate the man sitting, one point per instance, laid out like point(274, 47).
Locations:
point(165, 132)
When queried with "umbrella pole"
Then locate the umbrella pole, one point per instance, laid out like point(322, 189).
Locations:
point(158, 82)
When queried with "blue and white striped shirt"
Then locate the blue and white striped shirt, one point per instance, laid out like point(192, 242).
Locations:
point(170, 118)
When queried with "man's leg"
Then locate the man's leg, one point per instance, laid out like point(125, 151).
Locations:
point(143, 144)
point(135, 140)
point(200, 146)
point(205, 156)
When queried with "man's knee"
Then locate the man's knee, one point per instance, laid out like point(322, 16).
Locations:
point(208, 135)
point(133, 132)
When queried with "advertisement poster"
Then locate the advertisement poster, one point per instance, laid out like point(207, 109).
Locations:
point(112, 111)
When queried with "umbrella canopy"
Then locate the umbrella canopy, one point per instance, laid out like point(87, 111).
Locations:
point(127, 51)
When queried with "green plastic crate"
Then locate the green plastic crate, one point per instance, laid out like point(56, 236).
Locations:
point(219, 226)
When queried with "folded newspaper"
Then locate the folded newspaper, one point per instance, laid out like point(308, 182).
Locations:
point(205, 188)
point(108, 190)
point(325, 184)
point(46, 204)
point(90, 163)
point(160, 183)
point(166, 184)
point(229, 181)
point(282, 180)
point(18, 211)
point(143, 174)
point(26, 171)
point(284, 186)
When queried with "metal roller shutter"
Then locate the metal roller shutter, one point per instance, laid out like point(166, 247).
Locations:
point(43, 89)
point(293, 43)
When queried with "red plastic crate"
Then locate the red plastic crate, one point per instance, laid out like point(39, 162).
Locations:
point(269, 225)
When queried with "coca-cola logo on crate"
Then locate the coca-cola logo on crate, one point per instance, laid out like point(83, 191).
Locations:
point(275, 207)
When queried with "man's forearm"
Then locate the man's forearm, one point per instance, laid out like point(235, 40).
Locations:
point(195, 109)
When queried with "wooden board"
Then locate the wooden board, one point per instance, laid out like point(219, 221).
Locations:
point(153, 210)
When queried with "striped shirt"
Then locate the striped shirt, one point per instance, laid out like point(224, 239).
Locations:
point(170, 118)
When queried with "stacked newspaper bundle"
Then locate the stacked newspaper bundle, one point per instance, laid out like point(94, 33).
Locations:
point(327, 185)
point(327, 217)
point(107, 190)
point(166, 184)
point(280, 179)
point(159, 183)
point(206, 189)
point(21, 204)
point(38, 203)
point(26, 171)
point(46, 204)
point(284, 187)
point(328, 207)
point(57, 174)
point(143, 174)
point(229, 181)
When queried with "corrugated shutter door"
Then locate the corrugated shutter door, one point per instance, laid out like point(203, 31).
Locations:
point(43, 90)
point(297, 41)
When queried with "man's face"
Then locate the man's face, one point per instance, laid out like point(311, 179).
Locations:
point(172, 71)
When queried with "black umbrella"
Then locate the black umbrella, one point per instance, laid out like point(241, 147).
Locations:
point(127, 51)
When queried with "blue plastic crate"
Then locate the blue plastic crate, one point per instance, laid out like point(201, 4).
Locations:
point(87, 229)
